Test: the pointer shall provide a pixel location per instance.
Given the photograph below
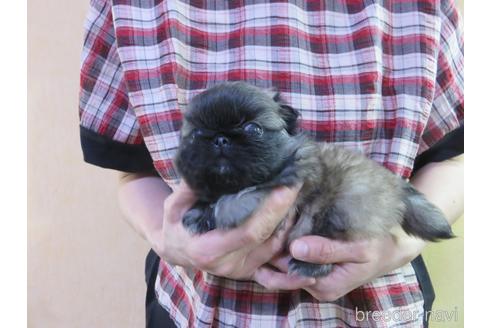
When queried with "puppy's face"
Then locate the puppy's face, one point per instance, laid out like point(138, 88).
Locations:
point(234, 136)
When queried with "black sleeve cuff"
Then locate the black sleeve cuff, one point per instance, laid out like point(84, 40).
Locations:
point(448, 147)
point(107, 153)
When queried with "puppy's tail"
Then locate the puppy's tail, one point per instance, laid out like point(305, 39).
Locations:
point(423, 219)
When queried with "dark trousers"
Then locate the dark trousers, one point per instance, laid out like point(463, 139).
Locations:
point(155, 314)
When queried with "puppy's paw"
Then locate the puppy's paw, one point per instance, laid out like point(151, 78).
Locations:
point(198, 221)
point(232, 210)
point(309, 269)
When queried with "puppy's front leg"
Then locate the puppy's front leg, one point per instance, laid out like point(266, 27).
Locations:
point(232, 210)
point(200, 218)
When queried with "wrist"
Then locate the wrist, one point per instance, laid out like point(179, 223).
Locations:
point(168, 248)
point(407, 247)
point(154, 238)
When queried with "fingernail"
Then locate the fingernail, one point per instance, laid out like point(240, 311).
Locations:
point(283, 192)
point(299, 249)
point(311, 281)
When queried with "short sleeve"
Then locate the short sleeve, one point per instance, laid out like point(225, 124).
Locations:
point(451, 145)
point(447, 111)
point(109, 131)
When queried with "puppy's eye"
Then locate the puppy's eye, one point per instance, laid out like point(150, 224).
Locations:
point(253, 128)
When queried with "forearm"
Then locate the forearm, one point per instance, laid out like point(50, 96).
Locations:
point(442, 184)
point(141, 198)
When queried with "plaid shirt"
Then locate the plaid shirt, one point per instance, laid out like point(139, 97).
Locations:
point(381, 77)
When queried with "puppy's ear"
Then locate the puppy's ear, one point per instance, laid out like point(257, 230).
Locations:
point(288, 113)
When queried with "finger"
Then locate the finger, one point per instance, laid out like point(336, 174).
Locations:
point(275, 244)
point(316, 249)
point(281, 262)
point(283, 229)
point(184, 194)
point(180, 201)
point(254, 255)
point(343, 279)
point(273, 280)
point(263, 254)
point(257, 229)
point(265, 220)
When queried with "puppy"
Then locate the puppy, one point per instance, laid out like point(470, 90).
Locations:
point(238, 142)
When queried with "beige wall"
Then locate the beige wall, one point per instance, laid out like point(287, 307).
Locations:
point(445, 265)
point(85, 266)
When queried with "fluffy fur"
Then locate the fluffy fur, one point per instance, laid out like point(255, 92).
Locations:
point(239, 142)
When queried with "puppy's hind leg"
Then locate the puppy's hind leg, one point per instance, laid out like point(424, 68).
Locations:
point(327, 223)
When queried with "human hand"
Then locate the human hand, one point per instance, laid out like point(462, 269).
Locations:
point(357, 262)
point(235, 253)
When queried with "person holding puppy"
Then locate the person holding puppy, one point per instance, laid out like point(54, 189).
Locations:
point(385, 79)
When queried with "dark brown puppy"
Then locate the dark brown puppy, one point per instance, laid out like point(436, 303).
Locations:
point(238, 142)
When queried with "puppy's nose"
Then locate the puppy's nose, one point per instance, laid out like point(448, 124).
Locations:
point(221, 141)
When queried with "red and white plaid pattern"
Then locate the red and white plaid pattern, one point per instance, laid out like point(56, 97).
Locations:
point(381, 77)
